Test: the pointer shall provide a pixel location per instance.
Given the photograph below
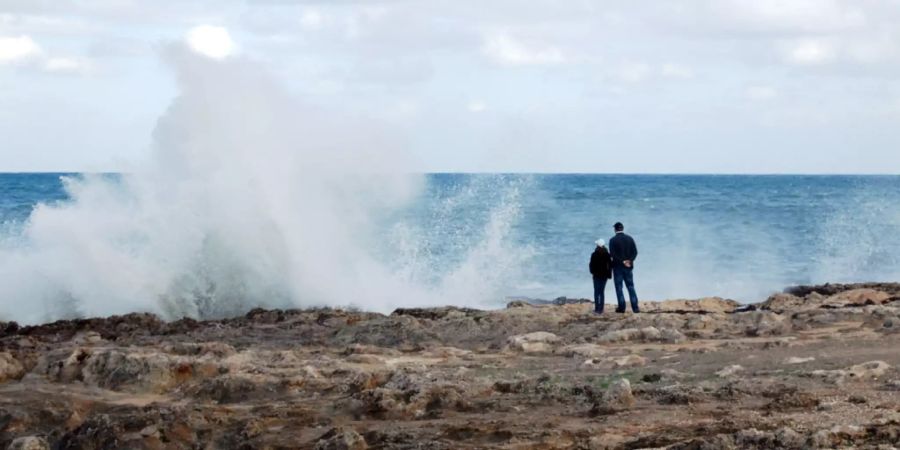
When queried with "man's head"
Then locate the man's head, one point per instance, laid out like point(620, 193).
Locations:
point(619, 227)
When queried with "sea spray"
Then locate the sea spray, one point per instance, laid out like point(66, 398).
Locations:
point(250, 198)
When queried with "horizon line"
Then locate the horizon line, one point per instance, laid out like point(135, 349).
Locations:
point(805, 174)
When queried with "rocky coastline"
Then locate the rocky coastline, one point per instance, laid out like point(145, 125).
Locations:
point(812, 367)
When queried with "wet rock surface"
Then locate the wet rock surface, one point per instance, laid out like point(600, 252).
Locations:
point(814, 367)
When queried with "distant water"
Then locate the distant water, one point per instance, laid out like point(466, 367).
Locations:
point(734, 236)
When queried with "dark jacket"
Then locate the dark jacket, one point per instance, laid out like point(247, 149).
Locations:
point(601, 264)
point(622, 248)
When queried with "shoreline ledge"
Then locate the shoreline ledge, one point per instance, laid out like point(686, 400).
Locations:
point(810, 367)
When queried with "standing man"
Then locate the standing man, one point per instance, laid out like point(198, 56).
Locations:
point(624, 252)
point(601, 270)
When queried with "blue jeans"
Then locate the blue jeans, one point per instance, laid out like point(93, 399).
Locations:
point(625, 274)
point(599, 293)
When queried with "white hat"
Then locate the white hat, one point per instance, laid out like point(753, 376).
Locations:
point(600, 242)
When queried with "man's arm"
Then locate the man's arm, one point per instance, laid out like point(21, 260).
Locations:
point(613, 248)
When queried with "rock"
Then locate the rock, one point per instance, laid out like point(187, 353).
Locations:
point(119, 370)
point(765, 323)
point(703, 305)
point(607, 441)
point(647, 334)
point(798, 360)
point(753, 438)
point(518, 304)
point(729, 371)
point(788, 438)
point(537, 342)
point(857, 297)
point(871, 369)
point(629, 361)
point(10, 368)
point(592, 351)
point(341, 439)
point(88, 338)
point(618, 396)
point(29, 443)
point(651, 378)
point(867, 370)
point(813, 300)
point(783, 302)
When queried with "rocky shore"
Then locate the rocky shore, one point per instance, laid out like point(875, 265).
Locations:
point(814, 367)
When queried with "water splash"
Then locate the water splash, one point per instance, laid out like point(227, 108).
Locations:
point(251, 198)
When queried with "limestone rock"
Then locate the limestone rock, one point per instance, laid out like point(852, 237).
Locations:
point(618, 396)
point(799, 360)
point(537, 342)
point(703, 305)
point(10, 368)
point(29, 443)
point(646, 334)
point(867, 370)
point(729, 371)
point(341, 439)
point(592, 351)
point(629, 361)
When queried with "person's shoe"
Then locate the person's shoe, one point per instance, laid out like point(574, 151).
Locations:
point(620, 311)
point(598, 311)
point(636, 311)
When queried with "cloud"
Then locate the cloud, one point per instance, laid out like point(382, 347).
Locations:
point(18, 49)
point(506, 50)
point(211, 41)
point(632, 72)
point(67, 65)
point(809, 52)
point(760, 92)
point(312, 19)
point(670, 70)
point(477, 106)
point(23, 51)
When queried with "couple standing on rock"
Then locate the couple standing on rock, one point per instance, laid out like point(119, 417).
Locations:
point(616, 263)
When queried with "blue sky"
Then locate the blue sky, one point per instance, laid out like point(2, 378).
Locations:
point(711, 86)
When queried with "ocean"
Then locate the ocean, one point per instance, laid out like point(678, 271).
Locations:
point(99, 245)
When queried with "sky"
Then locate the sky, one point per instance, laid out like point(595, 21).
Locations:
point(673, 86)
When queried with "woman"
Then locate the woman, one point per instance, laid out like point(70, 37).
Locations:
point(601, 269)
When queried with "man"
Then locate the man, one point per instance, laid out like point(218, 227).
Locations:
point(601, 269)
point(624, 252)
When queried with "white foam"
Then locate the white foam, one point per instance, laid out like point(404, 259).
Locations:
point(251, 198)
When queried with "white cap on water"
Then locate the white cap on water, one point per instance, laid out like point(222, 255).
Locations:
point(600, 242)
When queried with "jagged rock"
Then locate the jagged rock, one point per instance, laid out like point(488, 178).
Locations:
point(852, 297)
point(703, 305)
point(783, 302)
point(341, 439)
point(537, 342)
point(788, 438)
point(618, 396)
point(753, 438)
point(857, 297)
point(114, 369)
point(607, 441)
point(729, 371)
point(591, 351)
point(629, 361)
point(765, 323)
point(799, 360)
point(646, 334)
point(871, 369)
point(448, 378)
point(29, 443)
point(10, 368)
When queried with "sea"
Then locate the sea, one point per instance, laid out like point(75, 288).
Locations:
point(465, 239)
